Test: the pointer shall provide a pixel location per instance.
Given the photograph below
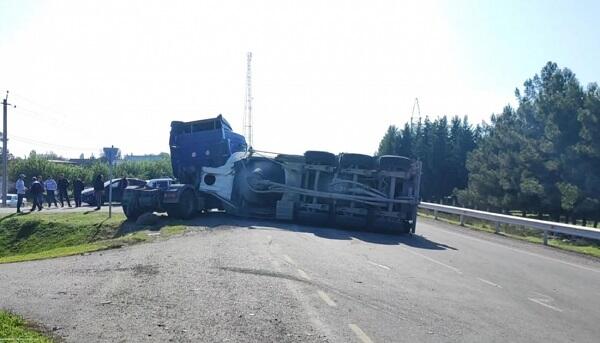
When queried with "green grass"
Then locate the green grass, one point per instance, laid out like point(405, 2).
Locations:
point(47, 235)
point(57, 252)
point(173, 230)
point(582, 246)
point(15, 329)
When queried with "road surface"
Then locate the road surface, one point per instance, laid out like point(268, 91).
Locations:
point(232, 280)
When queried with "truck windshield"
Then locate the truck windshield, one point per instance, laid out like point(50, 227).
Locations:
point(197, 127)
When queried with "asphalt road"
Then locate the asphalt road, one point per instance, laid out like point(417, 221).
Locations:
point(232, 280)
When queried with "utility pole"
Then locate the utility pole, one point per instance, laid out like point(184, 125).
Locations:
point(248, 105)
point(110, 154)
point(5, 105)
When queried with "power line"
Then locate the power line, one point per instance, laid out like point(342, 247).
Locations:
point(48, 144)
point(46, 108)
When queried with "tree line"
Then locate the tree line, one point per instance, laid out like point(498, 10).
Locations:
point(441, 146)
point(541, 158)
point(36, 165)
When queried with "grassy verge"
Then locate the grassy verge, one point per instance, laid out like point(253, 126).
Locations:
point(582, 246)
point(15, 329)
point(43, 235)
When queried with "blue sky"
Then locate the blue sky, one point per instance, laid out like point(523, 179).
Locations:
point(327, 75)
point(512, 39)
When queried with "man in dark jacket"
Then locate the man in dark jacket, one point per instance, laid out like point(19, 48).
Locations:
point(63, 185)
point(77, 189)
point(98, 190)
point(123, 183)
point(36, 190)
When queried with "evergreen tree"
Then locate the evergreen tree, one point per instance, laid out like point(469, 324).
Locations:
point(387, 146)
point(543, 156)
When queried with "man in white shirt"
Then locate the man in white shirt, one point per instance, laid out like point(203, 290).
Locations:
point(51, 187)
point(20, 186)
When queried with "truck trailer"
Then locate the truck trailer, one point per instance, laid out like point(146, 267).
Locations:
point(217, 170)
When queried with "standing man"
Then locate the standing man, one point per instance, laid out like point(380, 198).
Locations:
point(20, 186)
point(51, 186)
point(123, 183)
point(41, 196)
point(36, 194)
point(63, 185)
point(77, 189)
point(98, 190)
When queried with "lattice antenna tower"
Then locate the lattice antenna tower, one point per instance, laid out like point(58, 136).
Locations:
point(415, 107)
point(248, 105)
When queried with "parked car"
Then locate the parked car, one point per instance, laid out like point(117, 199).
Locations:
point(11, 200)
point(162, 183)
point(88, 195)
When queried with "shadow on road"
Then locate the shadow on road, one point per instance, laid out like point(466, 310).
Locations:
point(221, 220)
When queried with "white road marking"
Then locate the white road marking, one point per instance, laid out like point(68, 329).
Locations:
point(434, 261)
point(360, 333)
point(542, 302)
point(379, 265)
point(523, 251)
point(289, 259)
point(326, 298)
point(303, 274)
point(489, 282)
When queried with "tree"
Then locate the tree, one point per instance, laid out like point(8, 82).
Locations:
point(543, 156)
point(441, 148)
point(387, 146)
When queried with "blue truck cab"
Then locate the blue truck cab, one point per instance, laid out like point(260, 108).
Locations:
point(202, 143)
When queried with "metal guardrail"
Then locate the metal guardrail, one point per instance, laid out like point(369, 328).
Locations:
point(545, 226)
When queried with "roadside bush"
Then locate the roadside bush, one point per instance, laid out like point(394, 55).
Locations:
point(34, 166)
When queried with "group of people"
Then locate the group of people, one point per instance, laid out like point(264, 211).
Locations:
point(52, 188)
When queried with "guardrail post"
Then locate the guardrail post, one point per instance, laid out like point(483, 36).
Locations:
point(545, 237)
point(462, 220)
point(435, 214)
point(497, 229)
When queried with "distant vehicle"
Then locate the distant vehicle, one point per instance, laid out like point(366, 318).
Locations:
point(11, 200)
point(88, 196)
point(162, 183)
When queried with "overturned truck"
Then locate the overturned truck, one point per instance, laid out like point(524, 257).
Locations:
point(216, 170)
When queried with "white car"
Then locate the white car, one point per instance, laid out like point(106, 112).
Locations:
point(11, 200)
point(162, 183)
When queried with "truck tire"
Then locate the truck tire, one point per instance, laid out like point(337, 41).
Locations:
point(320, 157)
point(132, 212)
point(290, 158)
point(393, 163)
point(186, 207)
point(381, 225)
point(358, 161)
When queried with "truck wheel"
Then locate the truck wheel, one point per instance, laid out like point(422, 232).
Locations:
point(357, 161)
point(172, 211)
point(186, 207)
point(381, 225)
point(394, 163)
point(290, 158)
point(320, 157)
point(131, 212)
